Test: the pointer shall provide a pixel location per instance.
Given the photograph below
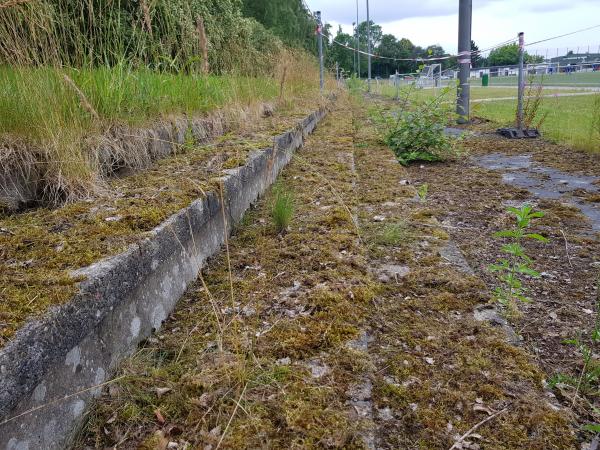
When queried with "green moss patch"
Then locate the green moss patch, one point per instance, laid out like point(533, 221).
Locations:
point(39, 248)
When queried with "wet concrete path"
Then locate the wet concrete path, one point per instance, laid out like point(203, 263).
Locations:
point(546, 182)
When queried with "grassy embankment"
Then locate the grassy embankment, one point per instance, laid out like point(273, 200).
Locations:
point(69, 70)
point(590, 79)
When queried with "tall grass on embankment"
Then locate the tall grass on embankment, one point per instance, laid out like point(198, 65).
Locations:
point(70, 69)
point(35, 101)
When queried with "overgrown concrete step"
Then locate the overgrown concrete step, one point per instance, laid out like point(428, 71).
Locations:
point(51, 370)
point(278, 342)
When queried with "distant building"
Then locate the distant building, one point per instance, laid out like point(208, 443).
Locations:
point(576, 58)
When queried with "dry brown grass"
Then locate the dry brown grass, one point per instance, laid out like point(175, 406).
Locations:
point(12, 3)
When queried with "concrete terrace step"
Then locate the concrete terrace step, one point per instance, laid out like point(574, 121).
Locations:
point(51, 370)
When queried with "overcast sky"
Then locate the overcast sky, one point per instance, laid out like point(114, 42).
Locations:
point(427, 22)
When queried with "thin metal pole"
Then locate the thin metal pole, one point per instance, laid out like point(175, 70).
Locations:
point(465, 11)
point(368, 49)
point(521, 91)
point(357, 43)
point(320, 42)
point(355, 52)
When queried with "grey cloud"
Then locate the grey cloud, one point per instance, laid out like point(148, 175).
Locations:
point(385, 11)
point(382, 11)
point(543, 6)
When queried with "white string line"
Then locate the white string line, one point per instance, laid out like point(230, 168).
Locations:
point(440, 58)
point(563, 35)
point(472, 52)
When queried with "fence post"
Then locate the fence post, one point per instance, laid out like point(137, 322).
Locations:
point(465, 11)
point(521, 91)
point(368, 49)
point(357, 44)
point(354, 51)
point(320, 43)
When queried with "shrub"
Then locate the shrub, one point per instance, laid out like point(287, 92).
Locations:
point(354, 85)
point(416, 133)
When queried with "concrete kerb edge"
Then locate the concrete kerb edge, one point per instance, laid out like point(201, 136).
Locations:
point(123, 300)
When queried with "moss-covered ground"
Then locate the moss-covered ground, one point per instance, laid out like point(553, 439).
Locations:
point(297, 339)
point(39, 248)
point(441, 371)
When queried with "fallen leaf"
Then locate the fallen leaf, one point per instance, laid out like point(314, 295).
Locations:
point(159, 416)
point(161, 441)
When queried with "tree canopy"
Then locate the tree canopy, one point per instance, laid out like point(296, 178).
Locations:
point(386, 45)
point(287, 19)
point(508, 55)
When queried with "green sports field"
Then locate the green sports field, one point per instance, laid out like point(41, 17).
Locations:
point(574, 121)
point(589, 79)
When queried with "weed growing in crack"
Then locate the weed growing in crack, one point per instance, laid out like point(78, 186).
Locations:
point(283, 208)
point(422, 192)
point(517, 264)
point(587, 382)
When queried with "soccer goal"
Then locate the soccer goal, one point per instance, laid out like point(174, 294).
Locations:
point(430, 76)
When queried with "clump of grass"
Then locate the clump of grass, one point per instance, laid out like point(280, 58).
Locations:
point(392, 234)
point(282, 209)
point(422, 192)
